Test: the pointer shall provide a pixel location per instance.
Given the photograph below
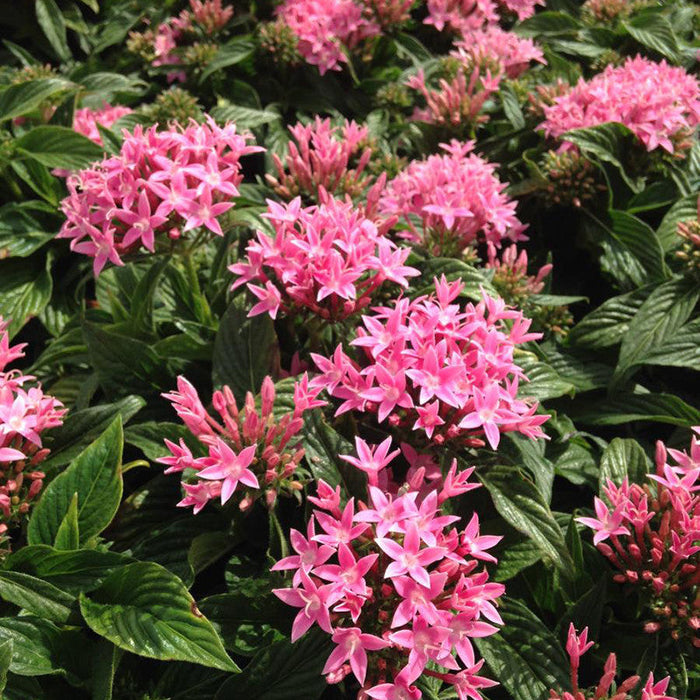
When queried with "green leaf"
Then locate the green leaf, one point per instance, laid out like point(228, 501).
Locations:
point(74, 571)
point(654, 31)
point(244, 349)
point(20, 232)
point(283, 671)
point(80, 428)
point(59, 147)
point(34, 643)
point(623, 458)
point(625, 407)
point(229, 54)
point(511, 107)
point(53, 25)
point(521, 505)
point(96, 477)
point(5, 661)
point(685, 209)
point(641, 241)
point(516, 557)
point(472, 277)
point(68, 534)
point(544, 382)
point(548, 23)
point(525, 657)
point(105, 659)
point(608, 142)
point(666, 309)
point(25, 290)
point(608, 324)
point(682, 349)
point(18, 100)
point(146, 610)
point(672, 663)
point(244, 117)
point(35, 596)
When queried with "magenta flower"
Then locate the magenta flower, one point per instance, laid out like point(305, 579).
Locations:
point(328, 260)
point(231, 468)
point(161, 181)
point(371, 460)
point(352, 646)
point(659, 103)
point(577, 645)
point(85, 120)
point(458, 200)
point(312, 600)
point(607, 524)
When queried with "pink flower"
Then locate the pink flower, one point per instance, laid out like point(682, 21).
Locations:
point(659, 103)
point(324, 28)
point(322, 156)
point(656, 691)
point(449, 368)
point(312, 600)
point(249, 452)
point(607, 524)
point(352, 646)
point(371, 460)
point(160, 181)
point(470, 200)
point(577, 645)
point(323, 259)
point(85, 120)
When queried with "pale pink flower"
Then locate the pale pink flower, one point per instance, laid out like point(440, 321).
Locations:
point(85, 120)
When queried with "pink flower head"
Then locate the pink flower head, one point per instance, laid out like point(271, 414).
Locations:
point(577, 645)
point(250, 452)
point(325, 29)
point(25, 414)
point(161, 179)
point(323, 156)
point(85, 120)
point(659, 103)
point(607, 523)
point(400, 587)
point(457, 199)
point(434, 366)
point(323, 259)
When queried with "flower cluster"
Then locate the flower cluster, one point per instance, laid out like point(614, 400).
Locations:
point(458, 100)
point(659, 103)
point(162, 182)
point(323, 155)
point(462, 16)
point(458, 199)
point(395, 579)
point(250, 453)
point(429, 365)
point(654, 531)
point(610, 10)
point(325, 29)
point(168, 44)
point(571, 179)
point(492, 48)
point(25, 413)
point(689, 252)
point(328, 259)
point(576, 646)
point(85, 120)
point(390, 14)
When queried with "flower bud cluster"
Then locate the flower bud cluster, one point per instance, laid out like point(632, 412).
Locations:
point(654, 530)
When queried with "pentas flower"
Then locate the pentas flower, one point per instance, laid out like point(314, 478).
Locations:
point(659, 103)
point(397, 587)
point(161, 184)
point(458, 200)
point(461, 15)
point(327, 260)
point(85, 120)
point(250, 453)
point(25, 413)
point(492, 48)
point(323, 156)
point(607, 688)
point(326, 29)
point(653, 531)
point(431, 365)
point(390, 14)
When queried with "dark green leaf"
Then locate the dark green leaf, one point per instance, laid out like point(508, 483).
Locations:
point(525, 657)
point(654, 31)
point(34, 644)
point(53, 25)
point(96, 477)
point(623, 458)
point(5, 661)
point(146, 610)
point(244, 350)
point(35, 596)
point(17, 100)
point(625, 407)
point(68, 533)
point(59, 147)
point(25, 289)
point(229, 54)
point(522, 506)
